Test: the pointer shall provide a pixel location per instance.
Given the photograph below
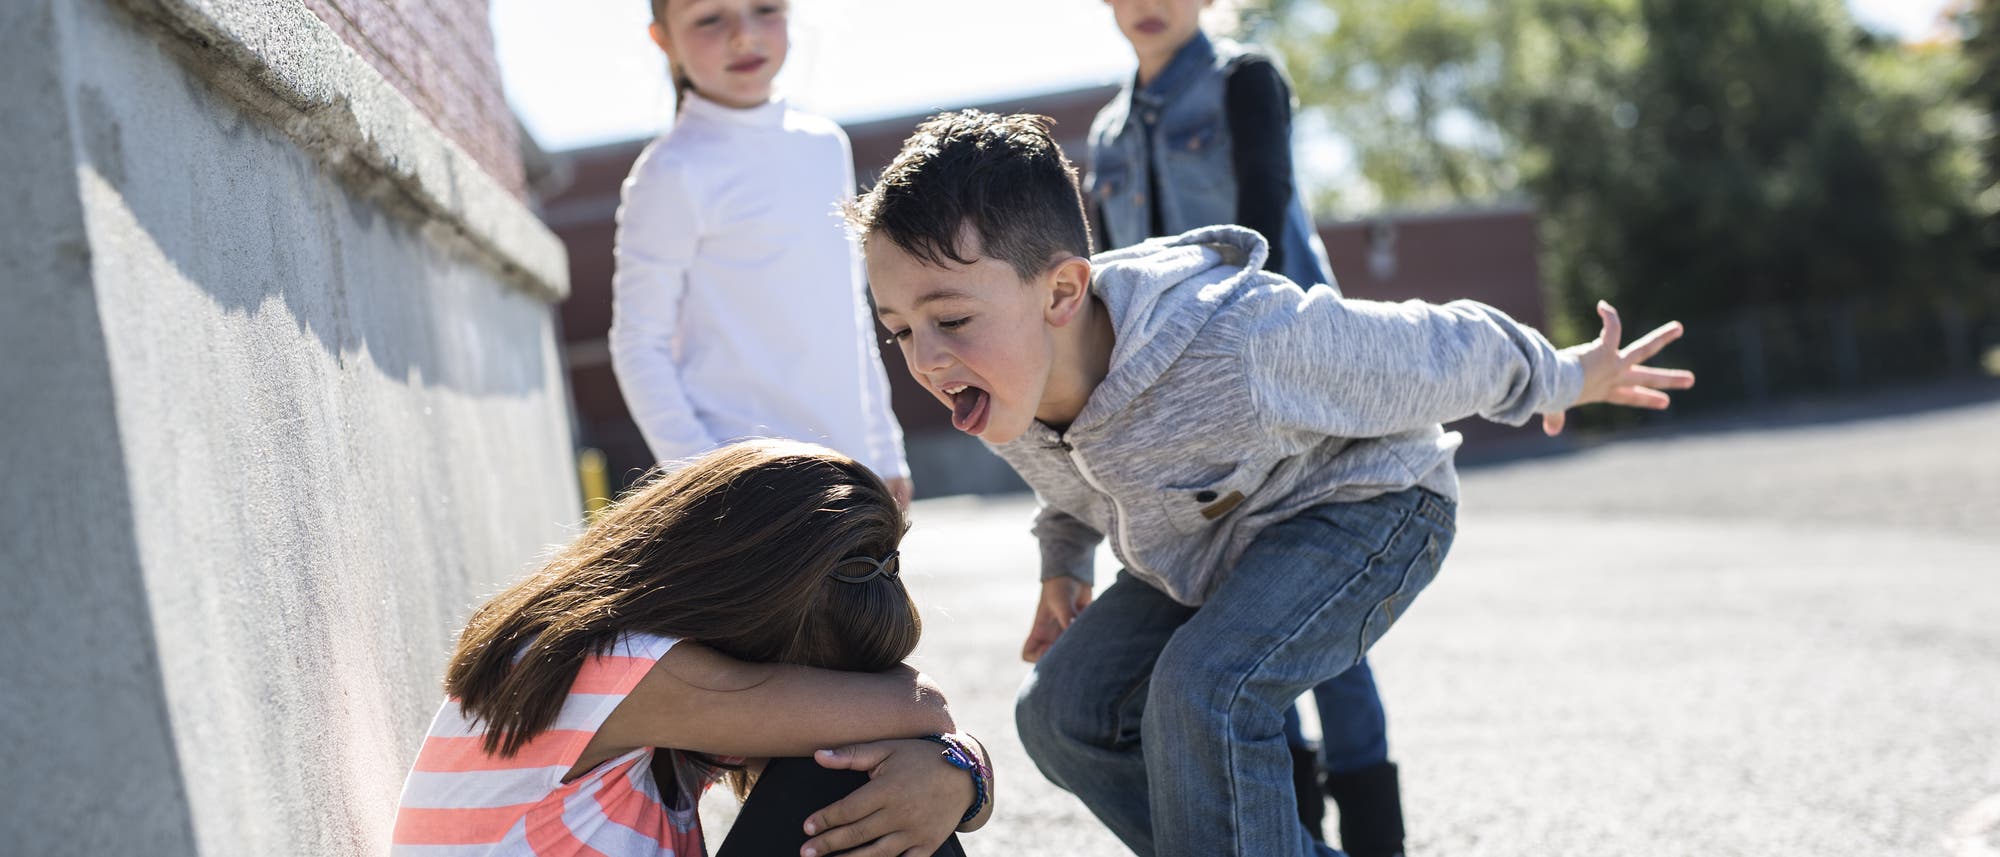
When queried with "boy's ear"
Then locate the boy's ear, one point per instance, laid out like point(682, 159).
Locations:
point(1069, 290)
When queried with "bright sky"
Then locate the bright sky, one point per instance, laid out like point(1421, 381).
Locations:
point(581, 72)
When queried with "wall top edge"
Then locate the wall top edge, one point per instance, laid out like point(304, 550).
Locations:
point(277, 58)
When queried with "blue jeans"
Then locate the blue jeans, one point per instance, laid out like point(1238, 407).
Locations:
point(1208, 687)
point(1354, 731)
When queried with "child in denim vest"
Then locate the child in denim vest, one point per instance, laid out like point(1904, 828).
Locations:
point(1266, 460)
point(1202, 135)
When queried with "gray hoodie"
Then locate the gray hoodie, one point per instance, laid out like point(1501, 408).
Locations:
point(1236, 400)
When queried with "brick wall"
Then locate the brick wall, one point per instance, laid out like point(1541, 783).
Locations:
point(439, 54)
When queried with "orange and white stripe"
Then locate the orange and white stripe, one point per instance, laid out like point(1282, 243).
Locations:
point(461, 801)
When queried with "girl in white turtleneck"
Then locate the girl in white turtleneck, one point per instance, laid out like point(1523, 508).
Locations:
point(738, 306)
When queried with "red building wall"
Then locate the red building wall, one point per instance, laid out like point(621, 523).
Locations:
point(439, 54)
point(1485, 254)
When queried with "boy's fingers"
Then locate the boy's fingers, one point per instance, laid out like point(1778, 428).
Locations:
point(1660, 379)
point(1639, 397)
point(1612, 328)
point(1038, 647)
point(1035, 646)
point(1552, 423)
point(1651, 343)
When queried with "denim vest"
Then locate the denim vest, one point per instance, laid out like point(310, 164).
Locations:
point(1178, 124)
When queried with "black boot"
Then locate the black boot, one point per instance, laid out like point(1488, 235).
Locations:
point(1370, 801)
point(1305, 784)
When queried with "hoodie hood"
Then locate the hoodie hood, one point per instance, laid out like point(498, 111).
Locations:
point(1159, 294)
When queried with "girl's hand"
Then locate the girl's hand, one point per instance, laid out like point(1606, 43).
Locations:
point(910, 806)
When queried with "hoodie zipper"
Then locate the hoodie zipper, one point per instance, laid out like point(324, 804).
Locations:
point(1118, 530)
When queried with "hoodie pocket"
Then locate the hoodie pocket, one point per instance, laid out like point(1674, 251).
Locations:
point(1201, 505)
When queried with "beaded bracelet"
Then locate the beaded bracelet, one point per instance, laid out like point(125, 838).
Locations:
point(961, 757)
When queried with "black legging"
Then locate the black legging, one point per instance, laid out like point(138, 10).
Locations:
point(772, 823)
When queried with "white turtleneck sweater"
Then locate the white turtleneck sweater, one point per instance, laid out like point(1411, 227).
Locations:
point(738, 306)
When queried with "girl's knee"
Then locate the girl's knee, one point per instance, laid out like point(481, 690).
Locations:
point(772, 820)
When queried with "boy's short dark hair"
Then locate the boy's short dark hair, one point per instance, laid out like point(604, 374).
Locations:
point(1003, 176)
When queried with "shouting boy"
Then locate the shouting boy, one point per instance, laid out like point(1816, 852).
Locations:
point(1266, 458)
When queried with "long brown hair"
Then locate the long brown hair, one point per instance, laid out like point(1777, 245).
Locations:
point(735, 551)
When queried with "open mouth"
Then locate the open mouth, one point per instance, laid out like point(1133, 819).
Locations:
point(969, 407)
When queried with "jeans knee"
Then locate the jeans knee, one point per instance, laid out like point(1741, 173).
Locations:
point(1196, 698)
point(1040, 716)
point(1054, 717)
point(1185, 696)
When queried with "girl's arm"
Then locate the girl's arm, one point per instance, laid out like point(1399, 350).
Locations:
point(658, 229)
point(1259, 108)
point(697, 699)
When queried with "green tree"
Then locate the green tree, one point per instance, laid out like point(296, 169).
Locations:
point(1689, 157)
point(1409, 85)
point(1719, 153)
point(1980, 23)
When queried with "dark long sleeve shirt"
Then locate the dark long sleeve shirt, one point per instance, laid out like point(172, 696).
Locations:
point(1259, 108)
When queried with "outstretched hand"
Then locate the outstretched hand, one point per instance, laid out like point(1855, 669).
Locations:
point(1615, 375)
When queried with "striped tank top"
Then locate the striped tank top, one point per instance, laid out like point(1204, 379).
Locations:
point(461, 801)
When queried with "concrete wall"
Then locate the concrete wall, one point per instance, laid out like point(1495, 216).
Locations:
point(280, 397)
